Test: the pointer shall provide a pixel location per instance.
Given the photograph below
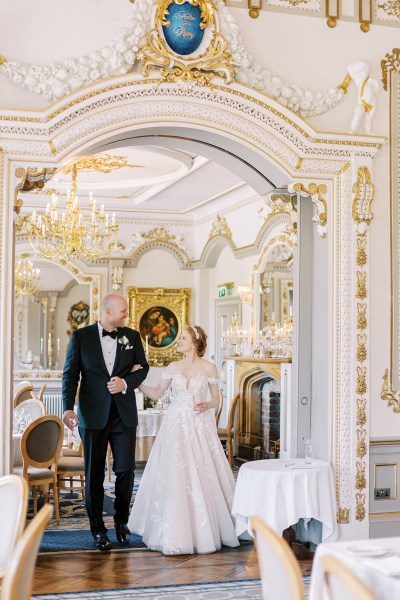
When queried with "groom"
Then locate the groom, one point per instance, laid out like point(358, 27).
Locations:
point(99, 359)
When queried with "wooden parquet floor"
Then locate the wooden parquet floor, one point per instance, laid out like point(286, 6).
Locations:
point(84, 571)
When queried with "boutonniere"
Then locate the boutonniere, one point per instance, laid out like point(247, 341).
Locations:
point(123, 341)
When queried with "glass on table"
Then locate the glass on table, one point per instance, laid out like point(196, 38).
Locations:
point(308, 451)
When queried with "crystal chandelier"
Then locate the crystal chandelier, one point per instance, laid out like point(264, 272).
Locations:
point(27, 279)
point(235, 336)
point(72, 233)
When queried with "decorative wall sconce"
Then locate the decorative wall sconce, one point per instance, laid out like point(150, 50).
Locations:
point(117, 275)
point(245, 294)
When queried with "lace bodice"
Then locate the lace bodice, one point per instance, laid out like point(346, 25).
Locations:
point(188, 390)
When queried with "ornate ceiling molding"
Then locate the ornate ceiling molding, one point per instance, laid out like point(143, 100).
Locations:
point(58, 79)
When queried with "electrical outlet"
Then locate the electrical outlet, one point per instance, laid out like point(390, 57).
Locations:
point(381, 493)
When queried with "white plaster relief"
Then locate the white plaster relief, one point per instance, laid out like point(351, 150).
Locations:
point(57, 79)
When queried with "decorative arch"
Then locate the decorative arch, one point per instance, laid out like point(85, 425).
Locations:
point(265, 143)
point(212, 250)
point(180, 256)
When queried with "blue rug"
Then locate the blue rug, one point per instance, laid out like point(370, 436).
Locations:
point(81, 540)
point(226, 590)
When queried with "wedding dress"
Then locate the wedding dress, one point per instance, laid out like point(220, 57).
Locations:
point(183, 505)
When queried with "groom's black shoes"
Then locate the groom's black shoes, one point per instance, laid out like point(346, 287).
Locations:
point(101, 541)
point(123, 534)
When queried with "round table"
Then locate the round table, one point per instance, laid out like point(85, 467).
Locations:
point(285, 491)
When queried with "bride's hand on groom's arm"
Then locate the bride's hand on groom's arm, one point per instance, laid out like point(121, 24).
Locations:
point(200, 407)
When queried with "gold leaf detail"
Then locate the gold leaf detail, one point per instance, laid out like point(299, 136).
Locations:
point(389, 394)
point(361, 290)
point(361, 411)
point(361, 257)
point(361, 481)
point(360, 507)
point(361, 387)
point(361, 316)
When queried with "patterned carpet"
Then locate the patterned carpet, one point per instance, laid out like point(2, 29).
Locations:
point(225, 590)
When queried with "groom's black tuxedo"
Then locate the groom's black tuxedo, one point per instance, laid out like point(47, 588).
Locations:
point(105, 418)
point(85, 358)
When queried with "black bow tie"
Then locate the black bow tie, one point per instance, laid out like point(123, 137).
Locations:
point(112, 334)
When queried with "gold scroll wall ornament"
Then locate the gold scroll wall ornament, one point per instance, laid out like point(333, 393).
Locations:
point(389, 394)
point(390, 63)
point(203, 65)
point(31, 179)
point(316, 192)
point(364, 192)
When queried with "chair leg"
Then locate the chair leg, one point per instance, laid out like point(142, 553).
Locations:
point(230, 452)
point(71, 485)
point(82, 486)
point(56, 502)
point(34, 494)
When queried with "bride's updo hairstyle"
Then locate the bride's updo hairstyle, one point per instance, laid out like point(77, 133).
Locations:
point(199, 338)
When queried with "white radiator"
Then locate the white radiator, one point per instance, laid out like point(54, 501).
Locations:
point(53, 404)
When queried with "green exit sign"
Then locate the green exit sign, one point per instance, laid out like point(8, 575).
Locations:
point(225, 289)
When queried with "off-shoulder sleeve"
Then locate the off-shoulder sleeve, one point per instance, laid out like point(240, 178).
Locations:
point(213, 380)
point(166, 374)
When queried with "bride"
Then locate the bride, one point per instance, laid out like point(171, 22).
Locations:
point(183, 505)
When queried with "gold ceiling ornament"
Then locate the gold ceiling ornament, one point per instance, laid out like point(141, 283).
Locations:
point(220, 227)
point(26, 278)
point(71, 233)
point(391, 8)
point(317, 193)
point(209, 58)
point(390, 63)
point(364, 192)
point(159, 234)
point(389, 394)
point(104, 163)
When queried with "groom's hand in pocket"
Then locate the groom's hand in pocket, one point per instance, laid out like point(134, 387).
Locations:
point(116, 385)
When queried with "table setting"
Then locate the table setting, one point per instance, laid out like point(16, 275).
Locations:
point(375, 561)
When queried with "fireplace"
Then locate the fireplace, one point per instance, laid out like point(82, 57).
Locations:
point(258, 416)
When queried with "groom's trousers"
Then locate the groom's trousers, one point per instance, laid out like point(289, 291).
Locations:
point(95, 442)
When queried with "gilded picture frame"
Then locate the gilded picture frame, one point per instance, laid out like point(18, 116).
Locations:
point(78, 316)
point(159, 315)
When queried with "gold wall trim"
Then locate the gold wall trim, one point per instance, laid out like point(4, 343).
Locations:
point(388, 443)
point(363, 191)
point(389, 64)
point(343, 516)
point(384, 515)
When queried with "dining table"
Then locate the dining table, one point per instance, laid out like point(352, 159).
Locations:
point(375, 561)
point(285, 493)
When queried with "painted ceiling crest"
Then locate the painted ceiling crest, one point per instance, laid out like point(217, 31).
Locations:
point(121, 55)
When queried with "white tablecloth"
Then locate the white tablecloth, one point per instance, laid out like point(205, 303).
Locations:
point(283, 491)
point(380, 573)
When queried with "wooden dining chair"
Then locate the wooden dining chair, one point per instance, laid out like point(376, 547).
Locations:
point(22, 392)
point(226, 435)
point(17, 582)
point(219, 408)
point(281, 577)
point(13, 507)
point(33, 409)
point(341, 583)
point(69, 467)
point(40, 445)
point(40, 394)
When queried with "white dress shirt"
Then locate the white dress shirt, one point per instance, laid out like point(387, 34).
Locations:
point(109, 349)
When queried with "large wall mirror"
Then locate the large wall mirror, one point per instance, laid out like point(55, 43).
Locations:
point(44, 319)
point(277, 286)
